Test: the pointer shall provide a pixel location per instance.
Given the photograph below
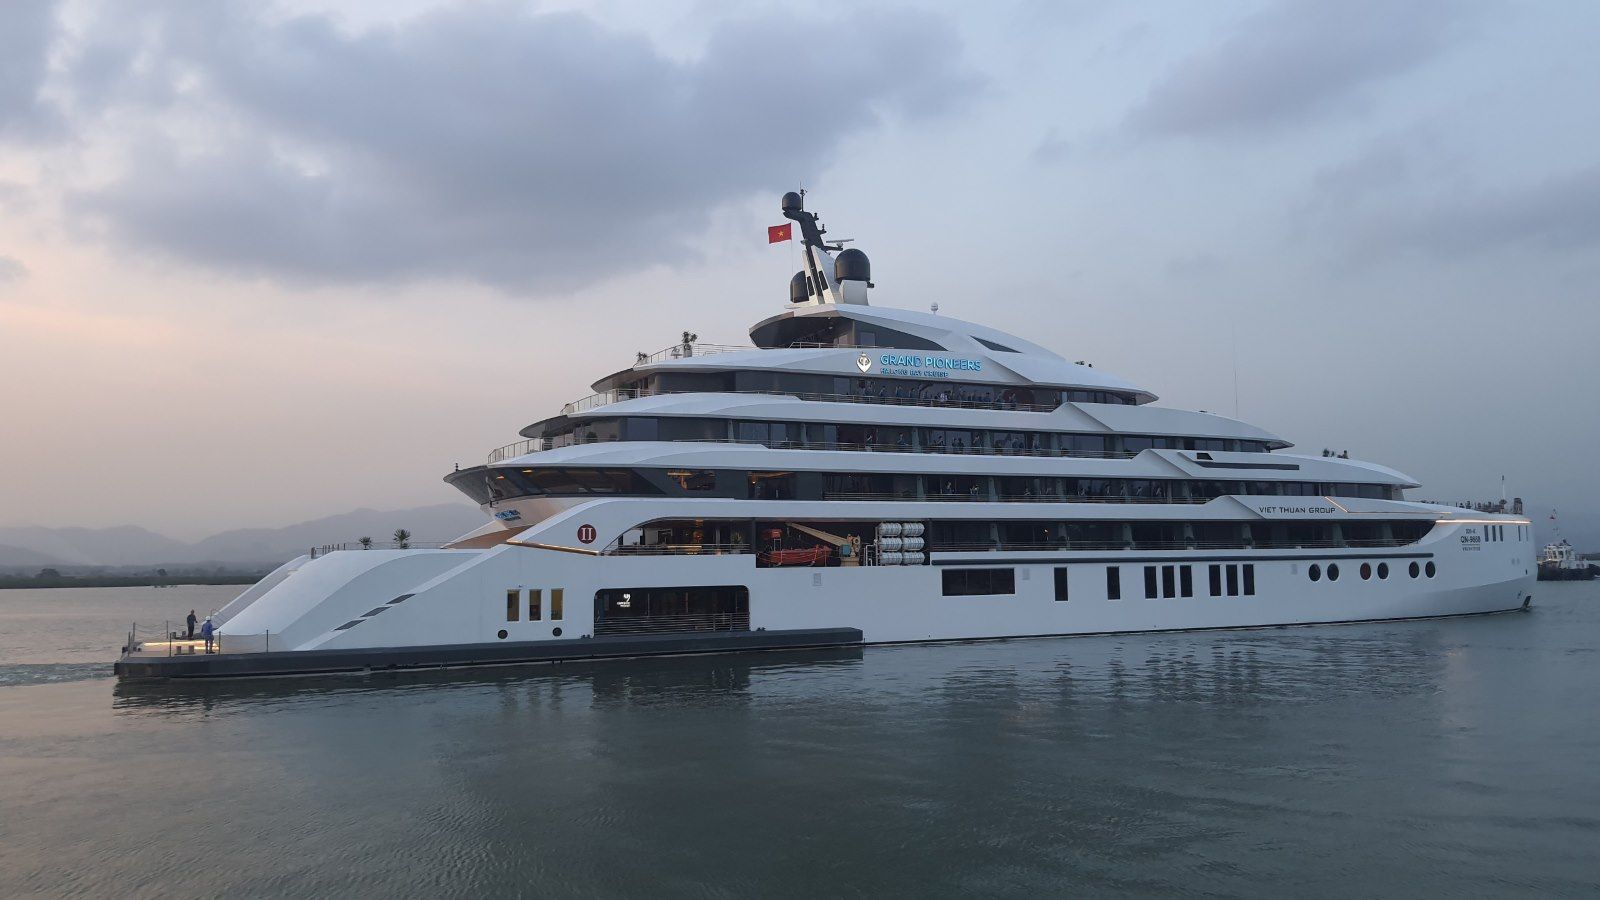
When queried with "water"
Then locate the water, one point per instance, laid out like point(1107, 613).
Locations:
point(1453, 756)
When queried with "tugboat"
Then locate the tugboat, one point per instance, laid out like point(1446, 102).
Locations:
point(1558, 562)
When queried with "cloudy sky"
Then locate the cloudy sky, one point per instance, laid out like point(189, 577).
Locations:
point(264, 262)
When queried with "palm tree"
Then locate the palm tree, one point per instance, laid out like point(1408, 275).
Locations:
point(365, 542)
point(402, 538)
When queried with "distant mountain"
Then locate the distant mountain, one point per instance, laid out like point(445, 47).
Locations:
point(427, 524)
point(129, 545)
point(124, 545)
point(23, 558)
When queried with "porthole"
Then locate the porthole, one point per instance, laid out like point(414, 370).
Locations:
point(1415, 570)
point(1366, 571)
point(502, 634)
point(1383, 570)
point(556, 632)
point(1333, 571)
point(1432, 570)
point(1315, 572)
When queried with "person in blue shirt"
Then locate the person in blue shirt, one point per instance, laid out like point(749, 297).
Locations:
point(206, 631)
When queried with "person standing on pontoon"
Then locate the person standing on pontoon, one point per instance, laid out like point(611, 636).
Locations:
point(207, 631)
point(191, 620)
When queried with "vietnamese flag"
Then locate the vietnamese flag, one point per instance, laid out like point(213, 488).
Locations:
point(777, 233)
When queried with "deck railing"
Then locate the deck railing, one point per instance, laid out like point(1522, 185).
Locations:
point(325, 549)
point(533, 445)
point(676, 549)
point(984, 498)
point(606, 398)
point(1025, 547)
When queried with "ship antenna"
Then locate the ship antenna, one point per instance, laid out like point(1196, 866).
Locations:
point(794, 208)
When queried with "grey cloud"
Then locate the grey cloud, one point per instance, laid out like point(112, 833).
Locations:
point(1559, 213)
point(1293, 61)
point(11, 270)
point(533, 152)
point(27, 31)
point(1053, 149)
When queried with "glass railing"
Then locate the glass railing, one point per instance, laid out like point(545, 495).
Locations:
point(606, 398)
point(533, 445)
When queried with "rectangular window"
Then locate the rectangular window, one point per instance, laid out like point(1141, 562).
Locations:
point(1233, 581)
point(1249, 580)
point(1186, 581)
point(557, 595)
point(694, 480)
point(1169, 587)
point(1113, 583)
point(1216, 581)
point(979, 582)
point(513, 605)
point(1149, 582)
point(1061, 583)
point(535, 600)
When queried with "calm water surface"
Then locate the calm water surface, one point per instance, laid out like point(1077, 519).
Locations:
point(1458, 756)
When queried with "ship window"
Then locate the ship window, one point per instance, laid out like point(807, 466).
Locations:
point(1216, 581)
point(1149, 582)
point(1333, 571)
point(1383, 570)
point(1249, 579)
point(1061, 583)
point(513, 605)
point(1113, 583)
point(694, 480)
point(1315, 571)
point(641, 428)
point(1415, 569)
point(1233, 581)
point(535, 601)
point(1431, 569)
point(993, 346)
point(1185, 581)
point(1168, 582)
point(975, 582)
point(557, 596)
point(1366, 571)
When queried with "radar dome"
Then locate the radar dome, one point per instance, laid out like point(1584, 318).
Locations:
point(799, 291)
point(792, 202)
point(852, 265)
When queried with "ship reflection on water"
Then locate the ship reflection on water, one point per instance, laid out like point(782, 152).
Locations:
point(1432, 756)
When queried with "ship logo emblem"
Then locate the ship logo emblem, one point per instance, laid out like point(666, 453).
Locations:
point(864, 363)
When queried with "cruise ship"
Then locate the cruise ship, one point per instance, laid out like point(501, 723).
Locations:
point(868, 475)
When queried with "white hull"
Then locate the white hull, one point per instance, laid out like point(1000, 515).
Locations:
point(458, 596)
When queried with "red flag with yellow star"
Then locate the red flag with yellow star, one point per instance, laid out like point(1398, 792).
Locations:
point(777, 233)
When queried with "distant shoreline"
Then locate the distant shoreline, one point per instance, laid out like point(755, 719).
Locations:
point(17, 582)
